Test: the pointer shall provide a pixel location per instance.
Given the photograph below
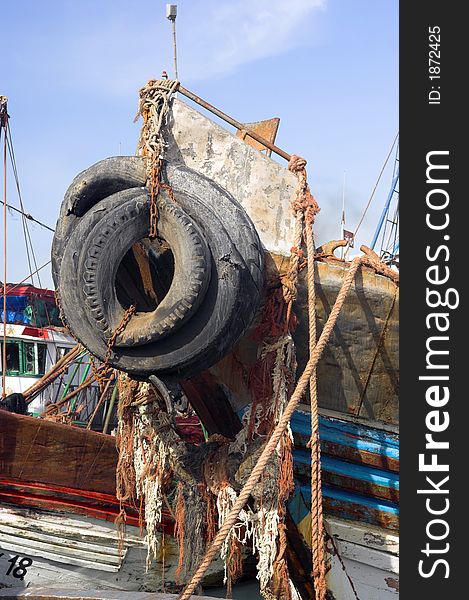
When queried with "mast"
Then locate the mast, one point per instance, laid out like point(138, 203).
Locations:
point(390, 246)
point(4, 127)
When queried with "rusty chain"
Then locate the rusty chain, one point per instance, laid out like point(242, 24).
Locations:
point(118, 330)
point(154, 108)
point(104, 373)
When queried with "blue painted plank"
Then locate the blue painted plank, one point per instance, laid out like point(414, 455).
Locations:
point(363, 473)
point(348, 434)
point(346, 505)
point(303, 421)
point(362, 430)
point(346, 497)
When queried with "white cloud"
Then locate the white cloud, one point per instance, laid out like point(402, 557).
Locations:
point(232, 34)
point(117, 52)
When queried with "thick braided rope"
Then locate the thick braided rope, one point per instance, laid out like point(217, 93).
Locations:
point(303, 205)
point(291, 283)
point(279, 430)
point(305, 208)
point(317, 533)
point(154, 108)
point(373, 261)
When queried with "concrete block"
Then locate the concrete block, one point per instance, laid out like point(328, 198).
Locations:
point(261, 185)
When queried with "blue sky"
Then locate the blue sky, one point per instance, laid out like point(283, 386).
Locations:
point(72, 70)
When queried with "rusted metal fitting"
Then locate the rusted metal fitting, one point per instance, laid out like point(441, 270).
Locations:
point(329, 248)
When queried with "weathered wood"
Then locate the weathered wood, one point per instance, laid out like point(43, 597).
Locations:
point(211, 405)
point(353, 442)
point(46, 452)
point(363, 535)
point(80, 553)
point(65, 543)
point(299, 559)
point(358, 373)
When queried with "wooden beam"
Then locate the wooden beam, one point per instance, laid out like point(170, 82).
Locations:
point(211, 405)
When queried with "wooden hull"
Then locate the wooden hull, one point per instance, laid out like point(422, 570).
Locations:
point(370, 555)
point(77, 552)
point(43, 452)
point(359, 468)
point(69, 532)
point(57, 511)
point(358, 373)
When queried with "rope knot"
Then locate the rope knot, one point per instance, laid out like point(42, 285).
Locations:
point(298, 251)
point(303, 201)
point(371, 259)
point(289, 289)
point(312, 207)
point(302, 259)
point(296, 164)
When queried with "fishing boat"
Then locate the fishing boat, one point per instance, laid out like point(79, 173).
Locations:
point(357, 376)
point(58, 506)
point(36, 341)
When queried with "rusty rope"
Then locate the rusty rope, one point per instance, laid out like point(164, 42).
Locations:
point(306, 208)
point(276, 435)
point(153, 108)
point(317, 535)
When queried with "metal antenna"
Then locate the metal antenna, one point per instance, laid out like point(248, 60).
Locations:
point(171, 13)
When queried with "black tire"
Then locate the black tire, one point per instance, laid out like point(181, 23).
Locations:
point(231, 300)
point(89, 187)
point(240, 228)
point(104, 310)
point(203, 335)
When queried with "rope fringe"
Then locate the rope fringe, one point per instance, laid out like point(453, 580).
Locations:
point(302, 203)
point(279, 430)
point(150, 448)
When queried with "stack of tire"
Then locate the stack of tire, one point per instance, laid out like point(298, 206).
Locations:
point(197, 290)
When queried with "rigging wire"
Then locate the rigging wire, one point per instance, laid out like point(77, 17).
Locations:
point(3, 126)
point(374, 190)
point(386, 247)
point(388, 250)
point(26, 231)
point(23, 218)
point(28, 276)
point(28, 216)
point(27, 235)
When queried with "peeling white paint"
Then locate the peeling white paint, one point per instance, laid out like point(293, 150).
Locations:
point(261, 185)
